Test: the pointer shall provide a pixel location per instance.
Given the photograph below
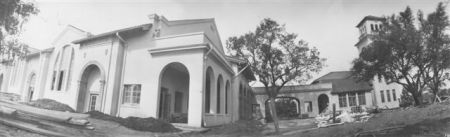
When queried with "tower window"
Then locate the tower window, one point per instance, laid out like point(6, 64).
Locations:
point(371, 27)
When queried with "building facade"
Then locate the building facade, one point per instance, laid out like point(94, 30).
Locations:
point(172, 70)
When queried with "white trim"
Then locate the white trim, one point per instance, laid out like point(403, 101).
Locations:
point(178, 48)
point(180, 35)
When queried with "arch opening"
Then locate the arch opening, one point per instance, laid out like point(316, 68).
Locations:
point(174, 93)
point(31, 87)
point(287, 108)
point(90, 92)
point(208, 89)
point(323, 102)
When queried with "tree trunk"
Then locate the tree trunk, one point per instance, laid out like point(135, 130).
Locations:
point(417, 99)
point(273, 111)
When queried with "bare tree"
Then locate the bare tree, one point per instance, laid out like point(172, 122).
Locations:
point(276, 57)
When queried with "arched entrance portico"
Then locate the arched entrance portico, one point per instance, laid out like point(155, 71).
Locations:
point(174, 93)
point(323, 103)
point(31, 85)
point(90, 94)
point(287, 108)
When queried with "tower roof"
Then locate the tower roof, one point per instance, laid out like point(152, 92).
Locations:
point(370, 17)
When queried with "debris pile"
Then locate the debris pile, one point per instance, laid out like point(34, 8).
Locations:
point(50, 105)
point(43, 121)
point(135, 123)
point(9, 96)
point(331, 118)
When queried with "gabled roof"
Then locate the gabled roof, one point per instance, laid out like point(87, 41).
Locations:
point(343, 81)
point(370, 17)
point(335, 75)
point(142, 27)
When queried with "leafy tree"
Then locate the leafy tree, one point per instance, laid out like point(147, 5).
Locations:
point(276, 57)
point(437, 46)
point(13, 13)
point(396, 55)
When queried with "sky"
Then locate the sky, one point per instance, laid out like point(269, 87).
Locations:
point(328, 25)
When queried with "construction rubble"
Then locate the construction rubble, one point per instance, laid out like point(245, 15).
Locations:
point(38, 120)
point(332, 118)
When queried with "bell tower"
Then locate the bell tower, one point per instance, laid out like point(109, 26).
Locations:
point(368, 26)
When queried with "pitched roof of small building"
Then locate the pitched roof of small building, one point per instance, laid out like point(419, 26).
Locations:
point(370, 17)
point(343, 81)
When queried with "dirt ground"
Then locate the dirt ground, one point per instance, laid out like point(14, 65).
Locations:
point(427, 121)
point(6, 131)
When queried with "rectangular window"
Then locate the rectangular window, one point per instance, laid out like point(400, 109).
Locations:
point(382, 96)
point(178, 101)
point(308, 106)
point(394, 96)
point(53, 80)
point(60, 80)
point(351, 99)
point(342, 100)
point(388, 95)
point(362, 98)
point(131, 94)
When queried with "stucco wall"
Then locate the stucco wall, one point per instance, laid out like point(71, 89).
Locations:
point(380, 85)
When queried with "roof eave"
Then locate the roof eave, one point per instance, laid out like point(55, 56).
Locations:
point(143, 27)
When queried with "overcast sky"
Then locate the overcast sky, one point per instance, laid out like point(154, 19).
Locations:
point(328, 25)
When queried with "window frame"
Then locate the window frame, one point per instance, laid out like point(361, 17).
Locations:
point(309, 107)
point(382, 96)
point(342, 98)
point(130, 94)
point(388, 95)
point(394, 96)
point(352, 99)
point(361, 98)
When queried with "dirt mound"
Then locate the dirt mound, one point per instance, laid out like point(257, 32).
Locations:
point(9, 96)
point(50, 104)
point(239, 128)
point(135, 123)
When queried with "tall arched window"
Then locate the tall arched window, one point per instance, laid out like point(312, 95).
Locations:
point(62, 68)
point(219, 88)
point(227, 94)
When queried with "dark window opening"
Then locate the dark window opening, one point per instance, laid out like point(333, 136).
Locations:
point(60, 80)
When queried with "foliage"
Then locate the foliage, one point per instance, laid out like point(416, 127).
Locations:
point(406, 53)
point(276, 57)
point(437, 46)
point(406, 99)
point(13, 14)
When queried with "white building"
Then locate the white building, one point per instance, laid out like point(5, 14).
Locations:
point(172, 70)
